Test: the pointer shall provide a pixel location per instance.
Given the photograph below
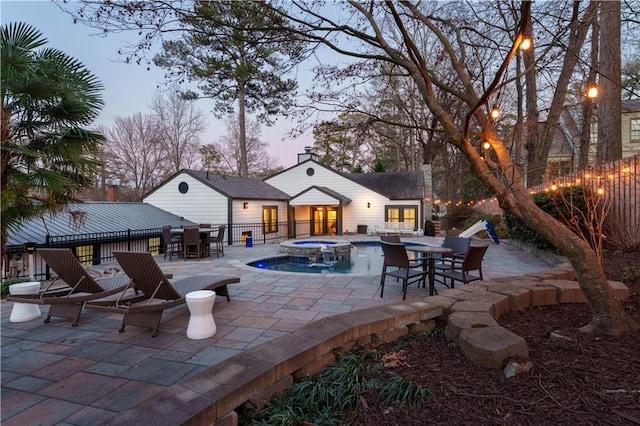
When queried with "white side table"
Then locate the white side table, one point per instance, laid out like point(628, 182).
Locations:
point(201, 323)
point(24, 311)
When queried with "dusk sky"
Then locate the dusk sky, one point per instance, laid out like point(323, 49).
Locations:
point(129, 88)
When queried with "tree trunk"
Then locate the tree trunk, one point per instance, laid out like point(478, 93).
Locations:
point(242, 128)
point(609, 146)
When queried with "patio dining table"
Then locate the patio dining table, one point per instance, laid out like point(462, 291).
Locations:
point(428, 251)
point(205, 233)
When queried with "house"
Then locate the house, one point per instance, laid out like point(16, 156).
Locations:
point(203, 197)
point(305, 199)
point(563, 154)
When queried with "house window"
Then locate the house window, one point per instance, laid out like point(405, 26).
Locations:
point(85, 254)
point(270, 219)
point(635, 130)
point(406, 214)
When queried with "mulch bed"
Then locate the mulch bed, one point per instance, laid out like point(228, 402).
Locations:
point(584, 380)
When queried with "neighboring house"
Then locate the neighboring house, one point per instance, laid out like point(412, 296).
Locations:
point(312, 199)
point(563, 154)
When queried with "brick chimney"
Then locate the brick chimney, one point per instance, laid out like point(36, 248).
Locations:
point(112, 193)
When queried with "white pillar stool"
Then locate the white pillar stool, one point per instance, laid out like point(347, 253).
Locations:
point(24, 311)
point(201, 323)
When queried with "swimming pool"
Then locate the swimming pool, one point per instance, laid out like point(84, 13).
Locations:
point(364, 259)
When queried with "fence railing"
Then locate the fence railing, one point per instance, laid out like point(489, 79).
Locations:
point(97, 248)
point(619, 183)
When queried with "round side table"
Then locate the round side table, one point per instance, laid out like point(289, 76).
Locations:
point(201, 323)
point(24, 311)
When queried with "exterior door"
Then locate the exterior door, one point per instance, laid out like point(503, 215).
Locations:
point(324, 220)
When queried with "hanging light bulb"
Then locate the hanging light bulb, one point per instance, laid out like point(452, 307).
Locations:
point(495, 112)
point(486, 145)
point(592, 91)
point(525, 44)
point(554, 186)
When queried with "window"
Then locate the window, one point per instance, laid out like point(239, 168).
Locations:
point(635, 130)
point(85, 255)
point(270, 219)
point(406, 214)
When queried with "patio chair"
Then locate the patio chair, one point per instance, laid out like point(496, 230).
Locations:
point(413, 263)
point(192, 243)
point(459, 247)
point(395, 256)
point(472, 262)
point(172, 244)
point(67, 302)
point(159, 292)
point(218, 241)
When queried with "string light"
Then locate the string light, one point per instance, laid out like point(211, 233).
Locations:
point(495, 112)
point(592, 91)
point(486, 145)
point(525, 44)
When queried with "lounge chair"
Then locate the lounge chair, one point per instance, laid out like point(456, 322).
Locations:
point(159, 292)
point(67, 302)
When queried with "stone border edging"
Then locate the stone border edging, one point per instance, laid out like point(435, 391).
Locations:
point(256, 374)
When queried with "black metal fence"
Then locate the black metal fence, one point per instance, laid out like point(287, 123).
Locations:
point(97, 248)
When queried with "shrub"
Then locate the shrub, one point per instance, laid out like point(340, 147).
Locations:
point(561, 205)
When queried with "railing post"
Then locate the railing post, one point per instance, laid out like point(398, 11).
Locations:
point(128, 239)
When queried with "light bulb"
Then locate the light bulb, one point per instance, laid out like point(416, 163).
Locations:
point(495, 112)
point(525, 44)
point(592, 91)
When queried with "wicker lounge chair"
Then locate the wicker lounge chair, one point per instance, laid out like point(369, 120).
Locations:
point(159, 292)
point(67, 302)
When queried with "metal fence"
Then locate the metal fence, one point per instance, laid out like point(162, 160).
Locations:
point(619, 183)
point(97, 248)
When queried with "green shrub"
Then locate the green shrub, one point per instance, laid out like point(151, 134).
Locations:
point(564, 203)
point(496, 219)
point(457, 216)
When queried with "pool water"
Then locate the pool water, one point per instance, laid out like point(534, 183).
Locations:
point(364, 260)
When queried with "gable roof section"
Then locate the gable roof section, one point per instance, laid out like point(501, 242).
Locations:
point(393, 185)
point(100, 217)
point(233, 186)
point(323, 190)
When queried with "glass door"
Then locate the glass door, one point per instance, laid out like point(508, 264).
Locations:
point(317, 217)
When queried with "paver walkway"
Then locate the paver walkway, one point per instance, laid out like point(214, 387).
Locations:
point(55, 374)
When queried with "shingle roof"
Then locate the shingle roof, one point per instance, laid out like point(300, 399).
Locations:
point(631, 105)
point(393, 185)
point(239, 187)
point(100, 217)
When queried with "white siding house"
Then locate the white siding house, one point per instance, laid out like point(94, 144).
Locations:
point(312, 199)
point(201, 197)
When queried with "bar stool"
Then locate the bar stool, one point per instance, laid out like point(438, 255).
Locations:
point(24, 311)
point(201, 323)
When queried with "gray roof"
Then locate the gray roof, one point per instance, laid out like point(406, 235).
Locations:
point(236, 187)
point(101, 216)
point(325, 190)
point(630, 105)
point(393, 185)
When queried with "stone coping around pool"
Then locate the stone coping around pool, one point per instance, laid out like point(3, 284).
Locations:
point(256, 374)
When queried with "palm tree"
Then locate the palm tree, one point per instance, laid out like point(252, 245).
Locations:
point(47, 98)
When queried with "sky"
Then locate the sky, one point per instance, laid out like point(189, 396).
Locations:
point(129, 88)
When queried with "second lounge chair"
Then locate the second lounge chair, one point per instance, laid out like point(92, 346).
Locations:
point(159, 292)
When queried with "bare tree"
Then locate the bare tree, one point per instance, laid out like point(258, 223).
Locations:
point(135, 155)
point(609, 147)
point(179, 124)
point(384, 33)
point(259, 162)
